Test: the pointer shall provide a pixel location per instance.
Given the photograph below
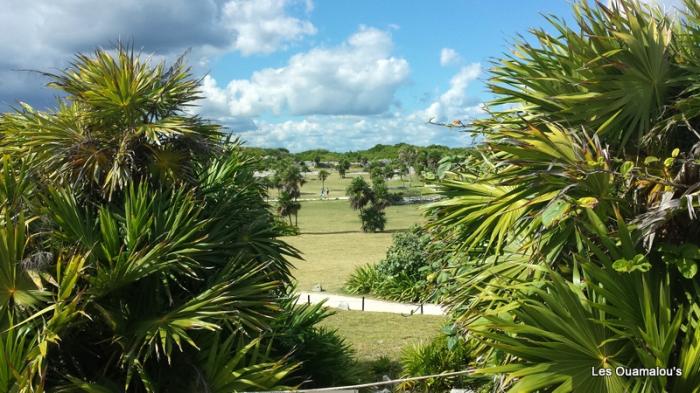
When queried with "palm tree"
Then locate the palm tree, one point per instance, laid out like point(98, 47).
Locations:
point(359, 193)
point(136, 129)
point(370, 201)
point(323, 175)
point(578, 233)
point(137, 252)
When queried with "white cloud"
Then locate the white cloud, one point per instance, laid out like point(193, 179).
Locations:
point(348, 132)
point(358, 77)
point(262, 26)
point(343, 133)
point(453, 104)
point(44, 34)
point(449, 56)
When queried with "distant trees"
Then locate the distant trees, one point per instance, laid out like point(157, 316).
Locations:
point(403, 157)
point(380, 171)
point(343, 166)
point(289, 179)
point(370, 201)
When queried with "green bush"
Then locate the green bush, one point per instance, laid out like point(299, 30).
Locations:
point(407, 255)
point(441, 355)
point(324, 358)
point(373, 219)
point(403, 274)
point(363, 280)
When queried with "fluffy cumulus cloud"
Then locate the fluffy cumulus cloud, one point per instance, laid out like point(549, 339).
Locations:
point(262, 25)
point(343, 133)
point(454, 103)
point(43, 34)
point(352, 132)
point(449, 56)
point(358, 77)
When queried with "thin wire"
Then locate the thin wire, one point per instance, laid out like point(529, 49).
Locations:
point(367, 385)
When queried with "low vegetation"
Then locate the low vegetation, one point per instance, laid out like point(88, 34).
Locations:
point(404, 274)
point(137, 252)
point(577, 223)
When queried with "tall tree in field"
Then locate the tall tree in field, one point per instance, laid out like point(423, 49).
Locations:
point(291, 179)
point(323, 175)
point(364, 198)
point(343, 166)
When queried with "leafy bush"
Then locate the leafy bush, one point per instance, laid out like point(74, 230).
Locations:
point(373, 219)
point(437, 356)
point(580, 230)
point(324, 358)
point(408, 254)
point(403, 274)
point(363, 280)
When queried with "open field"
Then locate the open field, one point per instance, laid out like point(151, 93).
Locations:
point(311, 189)
point(333, 243)
point(336, 216)
point(374, 334)
point(330, 259)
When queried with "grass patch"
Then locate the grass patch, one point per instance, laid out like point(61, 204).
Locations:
point(330, 259)
point(328, 217)
point(374, 335)
point(333, 244)
point(311, 189)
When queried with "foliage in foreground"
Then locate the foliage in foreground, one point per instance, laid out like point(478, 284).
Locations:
point(577, 227)
point(437, 356)
point(324, 358)
point(137, 252)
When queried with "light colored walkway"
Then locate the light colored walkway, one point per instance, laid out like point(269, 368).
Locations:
point(355, 303)
point(342, 198)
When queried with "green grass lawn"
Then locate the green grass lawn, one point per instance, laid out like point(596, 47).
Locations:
point(330, 259)
point(338, 185)
point(333, 243)
point(373, 334)
point(336, 216)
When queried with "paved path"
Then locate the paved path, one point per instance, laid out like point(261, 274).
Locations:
point(342, 198)
point(355, 303)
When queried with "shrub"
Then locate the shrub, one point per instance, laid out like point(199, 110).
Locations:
point(441, 355)
point(408, 254)
point(373, 219)
point(363, 280)
point(324, 358)
point(402, 274)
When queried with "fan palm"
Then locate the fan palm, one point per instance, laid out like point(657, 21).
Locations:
point(137, 252)
point(577, 236)
point(122, 121)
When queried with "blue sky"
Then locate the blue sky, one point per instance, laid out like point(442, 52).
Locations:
point(474, 32)
point(300, 74)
